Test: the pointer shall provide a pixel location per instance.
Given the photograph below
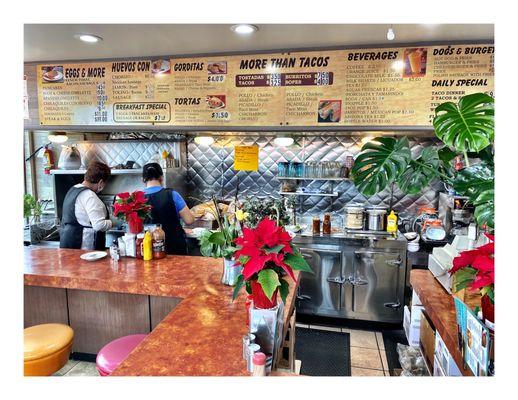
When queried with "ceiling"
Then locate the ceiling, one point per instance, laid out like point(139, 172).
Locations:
point(45, 42)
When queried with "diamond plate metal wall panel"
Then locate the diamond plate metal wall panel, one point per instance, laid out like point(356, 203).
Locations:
point(210, 171)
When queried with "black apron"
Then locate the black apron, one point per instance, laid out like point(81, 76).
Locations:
point(71, 234)
point(164, 213)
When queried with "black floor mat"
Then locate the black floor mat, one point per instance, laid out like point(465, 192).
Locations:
point(323, 353)
point(390, 339)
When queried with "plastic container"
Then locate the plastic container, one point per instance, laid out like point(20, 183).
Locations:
point(139, 246)
point(158, 242)
point(259, 362)
point(147, 247)
point(392, 222)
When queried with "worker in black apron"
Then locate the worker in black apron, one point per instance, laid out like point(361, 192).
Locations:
point(85, 218)
point(168, 208)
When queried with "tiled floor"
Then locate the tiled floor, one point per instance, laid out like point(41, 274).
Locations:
point(78, 368)
point(368, 356)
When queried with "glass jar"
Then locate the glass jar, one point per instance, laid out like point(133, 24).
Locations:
point(316, 225)
point(326, 225)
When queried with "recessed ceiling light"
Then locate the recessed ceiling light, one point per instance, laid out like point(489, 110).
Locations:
point(58, 137)
point(244, 29)
point(204, 140)
point(390, 34)
point(88, 38)
point(283, 141)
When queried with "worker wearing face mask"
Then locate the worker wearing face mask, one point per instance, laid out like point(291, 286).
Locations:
point(85, 217)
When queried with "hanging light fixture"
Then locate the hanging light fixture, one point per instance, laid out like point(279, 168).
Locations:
point(58, 137)
point(204, 140)
point(283, 141)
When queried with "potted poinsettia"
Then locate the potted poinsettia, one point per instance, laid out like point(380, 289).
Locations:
point(268, 257)
point(132, 208)
point(475, 269)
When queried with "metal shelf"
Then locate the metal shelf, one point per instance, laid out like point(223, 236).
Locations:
point(135, 171)
point(289, 178)
point(334, 194)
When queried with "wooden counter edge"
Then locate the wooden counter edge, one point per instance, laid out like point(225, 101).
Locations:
point(447, 330)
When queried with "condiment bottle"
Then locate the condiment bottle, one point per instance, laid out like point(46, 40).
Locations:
point(316, 225)
point(392, 222)
point(147, 247)
point(259, 361)
point(139, 246)
point(158, 242)
point(326, 225)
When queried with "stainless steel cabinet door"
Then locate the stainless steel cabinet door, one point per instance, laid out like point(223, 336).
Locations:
point(377, 285)
point(321, 293)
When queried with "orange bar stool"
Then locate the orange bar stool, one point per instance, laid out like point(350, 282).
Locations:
point(115, 352)
point(46, 348)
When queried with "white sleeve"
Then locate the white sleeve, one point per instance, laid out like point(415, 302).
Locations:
point(96, 211)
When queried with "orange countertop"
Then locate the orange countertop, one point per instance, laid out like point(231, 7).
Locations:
point(200, 337)
point(440, 307)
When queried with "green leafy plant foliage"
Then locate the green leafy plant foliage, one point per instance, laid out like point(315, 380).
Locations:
point(467, 129)
point(298, 262)
point(380, 163)
point(468, 125)
point(219, 243)
point(258, 209)
point(419, 173)
point(477, 183)
point(269, 280)
point(31, 206)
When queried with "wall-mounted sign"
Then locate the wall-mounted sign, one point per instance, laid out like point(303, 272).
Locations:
point(246, 158)
point(360, 87)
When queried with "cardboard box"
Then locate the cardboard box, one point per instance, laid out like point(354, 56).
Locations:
point(416, 301)
point(427, 340)
point(411, 329)
point(415, 315)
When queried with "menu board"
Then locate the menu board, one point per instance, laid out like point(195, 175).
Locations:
point(360, 87)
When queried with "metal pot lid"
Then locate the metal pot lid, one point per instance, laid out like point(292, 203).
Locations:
point(354, 207)
point(376, 210)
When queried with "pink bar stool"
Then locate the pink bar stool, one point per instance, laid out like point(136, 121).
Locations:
point(115, 352)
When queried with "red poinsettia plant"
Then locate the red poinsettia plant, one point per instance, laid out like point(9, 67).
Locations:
point(267, 256)
point(133, 208)
point(475, 269)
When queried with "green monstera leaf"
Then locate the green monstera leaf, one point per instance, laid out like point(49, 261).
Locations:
point(485, 208)
point(478, 183)
point(420, 172)
point(473, 180)
point(468, 125)
point(380, 162)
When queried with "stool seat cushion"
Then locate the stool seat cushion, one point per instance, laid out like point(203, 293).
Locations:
point(111, 355)
point(46, 348)
point(43, 340)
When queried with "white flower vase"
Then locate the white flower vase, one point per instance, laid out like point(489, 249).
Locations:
point(230, 272)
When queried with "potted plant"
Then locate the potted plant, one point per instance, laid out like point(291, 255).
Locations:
point(475, 269)
point(258, 209)
point(267, 256)
point(220, 243)
point(467, 132)
point(31, 208)
point(132, 208)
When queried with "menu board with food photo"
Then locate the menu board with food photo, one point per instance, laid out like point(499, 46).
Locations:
point(378, 87)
